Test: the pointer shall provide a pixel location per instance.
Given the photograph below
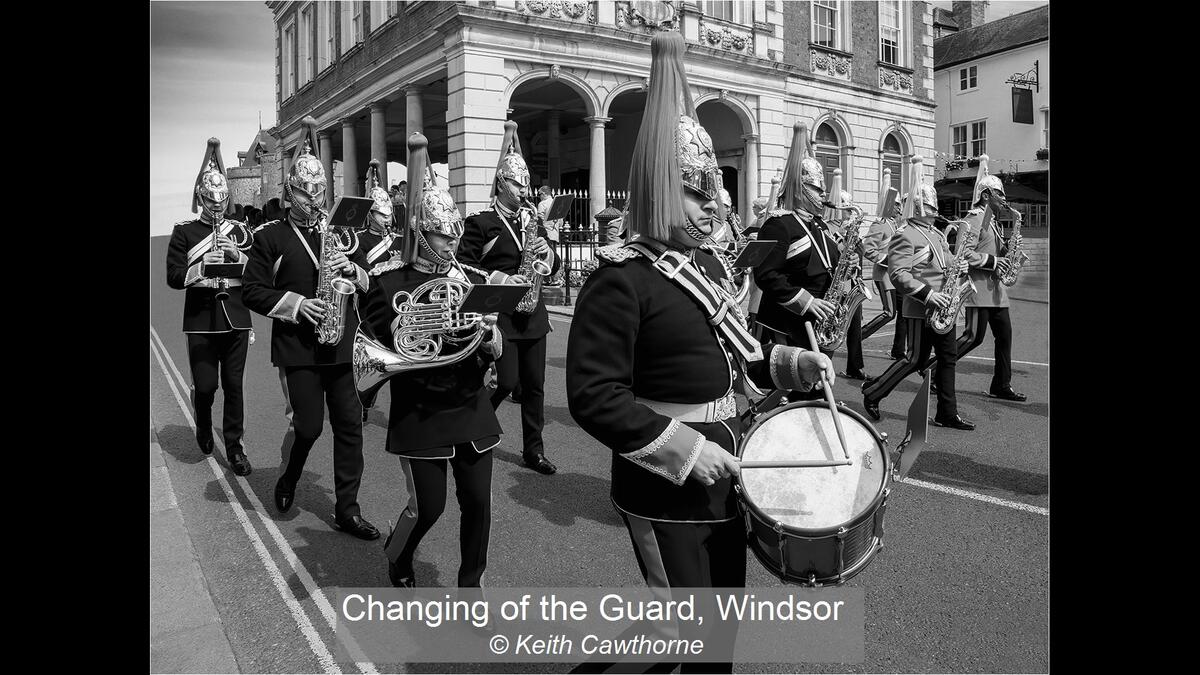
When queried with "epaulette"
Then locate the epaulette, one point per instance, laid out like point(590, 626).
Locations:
point(184, 222)
point(475, 213)
point(777, 212)
point(975, 212)
point(393, 263)
point(616, 253)
point(269, 222)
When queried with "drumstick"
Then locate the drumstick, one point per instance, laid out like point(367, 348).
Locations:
point(837, 418)
point(793, 464)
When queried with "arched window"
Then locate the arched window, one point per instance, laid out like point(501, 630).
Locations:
point(893, 158)
point(827, 148)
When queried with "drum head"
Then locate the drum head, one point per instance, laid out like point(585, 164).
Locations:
point(812, 498)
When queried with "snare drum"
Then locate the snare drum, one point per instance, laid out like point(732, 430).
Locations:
point(813, 525)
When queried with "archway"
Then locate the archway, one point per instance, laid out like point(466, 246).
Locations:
point(725, 125)
point(625, 122)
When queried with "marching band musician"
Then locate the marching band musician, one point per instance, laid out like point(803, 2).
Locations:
point(798, 271)
point(440, 415)
point(854, 336)
point(379, 240)
point(875, 246)
point(495, 240)
point(218, 330)
point(281, 282)
point(917, 260)
point(989, 304)
point(657, 351)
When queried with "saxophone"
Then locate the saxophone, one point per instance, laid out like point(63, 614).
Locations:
point(534, 269)
point(958, 284)
point(333, 289)
point(1015, 256)
point(846, 290)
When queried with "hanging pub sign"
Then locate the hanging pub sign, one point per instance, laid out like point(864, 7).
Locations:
point(1022, 105)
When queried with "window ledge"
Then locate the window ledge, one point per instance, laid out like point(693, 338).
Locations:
point(356, 47)
point(327, 69)
point(903, 69)
point(392, 21)
point(305, 87)
point(831, 50)
point(966, 91)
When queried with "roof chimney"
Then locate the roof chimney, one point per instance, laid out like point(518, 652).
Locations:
point(969, 14)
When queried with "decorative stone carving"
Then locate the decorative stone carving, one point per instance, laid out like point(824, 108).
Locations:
point(895, 80)
point(558, 9)
point(712, 35)
point(646, 14)
point(829, 64)
point(723, 95)
point(645, 84)
point(554, 71)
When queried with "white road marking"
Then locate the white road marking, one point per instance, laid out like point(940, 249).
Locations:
point(315, 643)
point(289, 554)
point(1019, 506)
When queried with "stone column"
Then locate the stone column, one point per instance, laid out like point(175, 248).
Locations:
point(553, 164)
point(379, 139)
point(750, 185)
point(475, 114)
point(349, 159)
point(325, 141)
point(414, 120)
point(596, 177)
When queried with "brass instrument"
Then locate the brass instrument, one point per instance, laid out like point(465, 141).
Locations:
point(1015, 256)
point(429, 332)
point(846, 291)
point(958, 283)
point(534, 269)
point(333, 289)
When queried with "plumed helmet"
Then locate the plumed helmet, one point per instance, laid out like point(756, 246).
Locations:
point(431, 209)
point(307, 174)
point(800, 169)
point(929, 198)
point(511, 165)
point(985, 180)
point(672, 150)
point(726, 199)
point(847, 199)
point(381, 201)
point(211, 189)
point(697, 159)
point(913, 200)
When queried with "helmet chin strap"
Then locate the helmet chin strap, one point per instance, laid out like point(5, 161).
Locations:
point(428, 253)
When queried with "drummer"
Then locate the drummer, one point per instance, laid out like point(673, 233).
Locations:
point(641, 354)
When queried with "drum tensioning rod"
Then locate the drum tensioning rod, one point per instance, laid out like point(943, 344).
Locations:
point(794, 463)
point(837, 418)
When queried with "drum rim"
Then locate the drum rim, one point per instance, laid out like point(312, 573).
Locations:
point(815, 532)
point(837, 579)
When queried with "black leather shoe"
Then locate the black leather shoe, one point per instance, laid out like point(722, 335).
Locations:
point(239, 464)
point(854, 375)
point(1008, 395)
point(872, 408)
point(398, 578)
point(933, 388)
point(955, 423)
point(358, 527)
point(206, 444)
point(285, 492)
point(540, 464)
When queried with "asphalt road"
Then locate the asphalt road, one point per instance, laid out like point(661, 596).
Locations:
point(961, 586)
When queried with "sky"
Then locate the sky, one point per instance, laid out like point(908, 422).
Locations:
point(212, 72)
point(212, 69)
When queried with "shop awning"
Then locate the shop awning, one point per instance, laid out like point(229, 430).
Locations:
point(1015, 192)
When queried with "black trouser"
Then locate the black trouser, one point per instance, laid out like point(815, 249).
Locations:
point(890, 299)
point(922, 338)
point(306, 386)
point(426, 480)
point(683, 555)
point(207, 352)
point(854, 338)
point(978, 320)
point(524, 362)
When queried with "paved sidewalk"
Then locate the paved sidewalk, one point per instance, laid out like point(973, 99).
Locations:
point(186, 635)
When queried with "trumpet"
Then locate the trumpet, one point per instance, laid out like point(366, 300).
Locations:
point(428, 332)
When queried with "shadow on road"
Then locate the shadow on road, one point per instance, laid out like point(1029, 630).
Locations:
point(179, 442)
point(952, 469)
point(562, 497)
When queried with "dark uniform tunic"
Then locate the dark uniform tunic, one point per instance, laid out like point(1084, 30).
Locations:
point(217, 330)
point(797, 270)
point(437, 414)
point(282, 272)
point(495, 243)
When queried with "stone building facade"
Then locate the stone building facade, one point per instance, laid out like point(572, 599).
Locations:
point(573, 75)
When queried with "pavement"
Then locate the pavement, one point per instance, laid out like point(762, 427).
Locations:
point(961, 586)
